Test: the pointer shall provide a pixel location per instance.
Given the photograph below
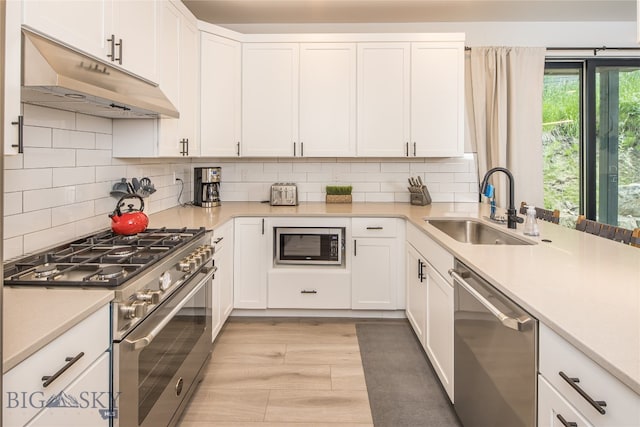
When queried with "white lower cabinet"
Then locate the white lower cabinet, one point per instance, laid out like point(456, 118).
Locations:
point(416, 292)
point(222, 292)
point(589, 390)
point(430, 302)
point(251, 244)
point(376, 261)
point(61, 371)
point(554, 410)
point(87, 397)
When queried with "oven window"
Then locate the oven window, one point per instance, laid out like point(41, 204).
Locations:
point(302, 245)
point(160, 360)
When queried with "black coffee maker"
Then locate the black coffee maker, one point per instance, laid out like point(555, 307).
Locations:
point(206, 187)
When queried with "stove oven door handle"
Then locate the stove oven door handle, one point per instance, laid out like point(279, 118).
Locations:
point(141, 343)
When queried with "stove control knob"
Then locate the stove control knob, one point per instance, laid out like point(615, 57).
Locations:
point(207, 251)
point(195, 261)
point(183, 265)
point(149, 296)
point(136, 309)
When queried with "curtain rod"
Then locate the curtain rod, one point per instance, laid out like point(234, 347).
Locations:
point(594, 49)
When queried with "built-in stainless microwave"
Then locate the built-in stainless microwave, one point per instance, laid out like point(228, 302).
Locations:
point(309, 245)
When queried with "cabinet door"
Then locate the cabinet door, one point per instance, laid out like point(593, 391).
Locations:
point(90, 390)
point(216, 316)
point(416, 292)
point(250, 259)
point(383, 99)
point(552, 408)
point(373, 269)
point(438, 341)
point(220, 112)
point(85, 25)
point(437, 99)
point(327, 99)
point(223, 249)
point(12, 69)
point(189, 86)
point(269, 99)
point(134, 22)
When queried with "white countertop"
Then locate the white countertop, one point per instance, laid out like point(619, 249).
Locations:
point(33, 317)
point(586, 288)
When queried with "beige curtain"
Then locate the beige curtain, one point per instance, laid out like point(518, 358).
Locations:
point(504, 114)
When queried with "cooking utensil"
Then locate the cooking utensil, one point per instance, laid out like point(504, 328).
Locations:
point(136, 184)
point(131, 221)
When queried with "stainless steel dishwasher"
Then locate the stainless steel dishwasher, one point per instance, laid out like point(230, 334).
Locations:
point(495, 355)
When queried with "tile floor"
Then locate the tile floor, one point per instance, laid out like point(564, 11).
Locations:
point(282, 372)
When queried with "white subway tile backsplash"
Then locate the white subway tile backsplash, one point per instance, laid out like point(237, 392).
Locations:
point(457, 187)
point(439, 177)
point(12, 247)
point(307, 167)
point(421, 167)
point(278, 167)
point(12, 203)
point(73, 139)
point(93, 157)
point(48, 197)
point(402, 197)
point(95, 124)
point(48, 158)
point(49, 237)
point(35, 115)
point(465, 197)
point(37, 137)
point(105, 205)
point(395, 167)
point(110, 173)
point(91, 225)
point(379, 197)
point(92, 191)
point(365, 167)
point(291, 177)
point(27, 179)
point(71, 176)
point(104, 141)
point(14, 161)
point(16, 225)
point(71, 213)
point(394, 187)
point(323, 177)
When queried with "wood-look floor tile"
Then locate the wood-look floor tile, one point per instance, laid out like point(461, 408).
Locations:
point(318, 406)
point(290, 333)
point(209, 404)
point(264, 354)
point(322, 354)
point(261, 377)
point(347, 377)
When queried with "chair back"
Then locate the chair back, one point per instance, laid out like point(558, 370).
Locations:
point(611, 232)
point(543, 214)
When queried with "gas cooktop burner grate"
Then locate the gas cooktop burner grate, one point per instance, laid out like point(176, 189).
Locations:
point(104, 259)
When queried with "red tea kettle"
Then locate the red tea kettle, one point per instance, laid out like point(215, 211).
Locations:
point(131, 221)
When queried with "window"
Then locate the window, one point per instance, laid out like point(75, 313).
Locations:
point(591, 140)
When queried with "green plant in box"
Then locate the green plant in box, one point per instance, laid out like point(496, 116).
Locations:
point(338, 193)
point(339, 190)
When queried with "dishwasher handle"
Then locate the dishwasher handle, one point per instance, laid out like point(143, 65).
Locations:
point(516, 324)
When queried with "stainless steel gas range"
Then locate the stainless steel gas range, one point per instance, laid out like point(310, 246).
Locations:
point(161, 312)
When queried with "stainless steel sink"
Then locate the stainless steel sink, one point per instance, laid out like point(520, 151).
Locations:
point(475, 232)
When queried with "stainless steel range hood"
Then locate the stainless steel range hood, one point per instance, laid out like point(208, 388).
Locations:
point(58, 76)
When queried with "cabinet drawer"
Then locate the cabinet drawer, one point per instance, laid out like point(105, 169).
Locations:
point(300, 289)
point(91, 337)
point(437, 256)
point(373, 227)
point(557, 355)
point(553, 408)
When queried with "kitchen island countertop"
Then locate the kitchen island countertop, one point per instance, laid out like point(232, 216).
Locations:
point(585, 288)
point(33, 317)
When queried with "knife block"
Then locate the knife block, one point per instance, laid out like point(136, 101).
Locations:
point(422, 198)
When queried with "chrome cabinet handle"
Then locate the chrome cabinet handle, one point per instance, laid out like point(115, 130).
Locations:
point(20, 144)
point(119, 58)
point(112, 49)
point(509, 322)
point(573, 382)
point(48, 379)
point(375, 228)
point(184, 142)
point(566, 423)
point(309, 292)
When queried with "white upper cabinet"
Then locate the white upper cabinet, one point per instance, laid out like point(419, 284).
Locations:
point(134, 28)
point(220, 108)
point(120, 31)
point(85, 25)
point(269, 99)
point(383, 99)
point(12, 110)
point(437, 99)
point(327, 99)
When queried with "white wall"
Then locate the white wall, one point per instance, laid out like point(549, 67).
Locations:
point(59, 188)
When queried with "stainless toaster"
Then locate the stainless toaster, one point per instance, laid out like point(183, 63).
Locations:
point(284, 194)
